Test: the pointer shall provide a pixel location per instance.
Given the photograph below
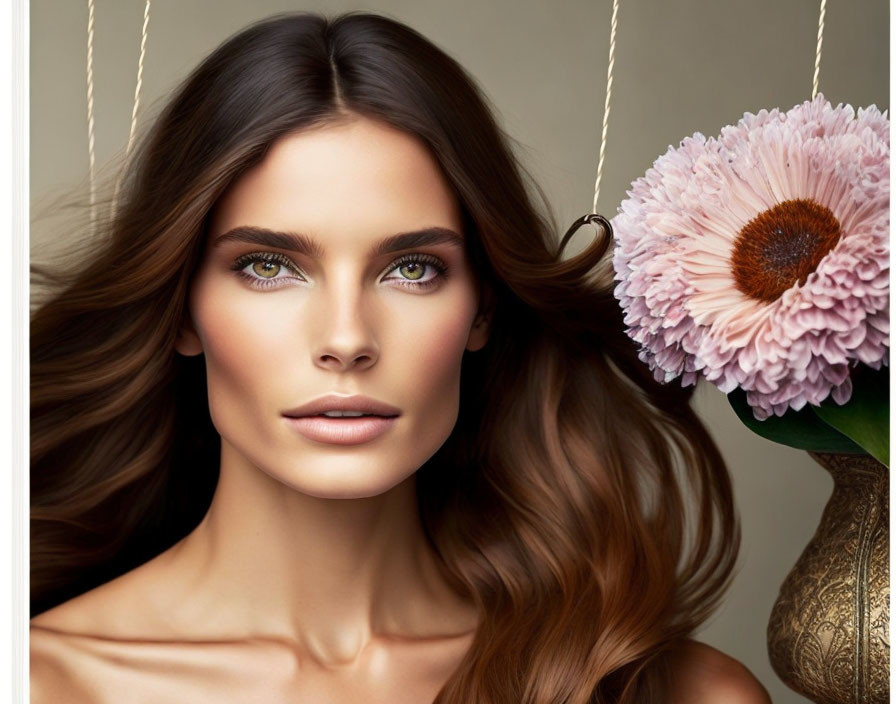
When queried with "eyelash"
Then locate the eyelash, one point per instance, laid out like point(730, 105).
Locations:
point(257, 282)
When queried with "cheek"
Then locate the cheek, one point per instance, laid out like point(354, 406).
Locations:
point(237, 343)
point(239, 347)
point(241, 331)
point(431, 354)
point(442, 350)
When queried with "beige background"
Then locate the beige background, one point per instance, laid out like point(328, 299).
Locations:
point(681, 67)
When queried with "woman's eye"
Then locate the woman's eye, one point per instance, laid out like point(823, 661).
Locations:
point(264, 269)
point(418, 271)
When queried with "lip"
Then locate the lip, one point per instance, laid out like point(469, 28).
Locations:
point(332, 402)
point(342, 431)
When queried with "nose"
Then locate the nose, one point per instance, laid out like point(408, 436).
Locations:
point(347, 340)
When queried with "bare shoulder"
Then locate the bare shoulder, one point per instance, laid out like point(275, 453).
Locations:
point(118, 608)
point(52, 668)
point(705, 675)
point(52, 654)
point(66, 659)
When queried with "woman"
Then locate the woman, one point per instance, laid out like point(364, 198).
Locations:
point(326, 222)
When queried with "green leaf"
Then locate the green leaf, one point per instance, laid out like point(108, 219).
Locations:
point(800, 429)
point(866, 416)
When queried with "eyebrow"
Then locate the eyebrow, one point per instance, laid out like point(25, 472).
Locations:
point(303, 244)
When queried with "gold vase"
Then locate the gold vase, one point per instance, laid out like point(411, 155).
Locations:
point(828, 636)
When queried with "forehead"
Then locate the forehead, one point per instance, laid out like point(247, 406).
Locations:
point(359, 178)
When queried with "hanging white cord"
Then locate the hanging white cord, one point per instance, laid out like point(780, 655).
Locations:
point(818, 49)
point(90, 136)
point(90, 151)
point(143, 34)
point(603, 135)
point(139, 77)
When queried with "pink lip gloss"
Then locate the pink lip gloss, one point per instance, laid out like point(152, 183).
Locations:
point(342, 431)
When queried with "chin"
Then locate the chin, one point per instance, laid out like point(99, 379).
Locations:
point(353, 478)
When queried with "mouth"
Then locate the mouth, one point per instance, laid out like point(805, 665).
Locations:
point(342, 420)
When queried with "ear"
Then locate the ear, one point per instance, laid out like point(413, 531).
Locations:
point(188, 343)
point(481, 323)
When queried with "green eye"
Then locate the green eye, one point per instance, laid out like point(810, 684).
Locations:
point(417, 271)
point(412, 271)
point(263, 270)
point(266, 269)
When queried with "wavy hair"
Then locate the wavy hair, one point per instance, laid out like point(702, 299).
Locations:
point(580, 504)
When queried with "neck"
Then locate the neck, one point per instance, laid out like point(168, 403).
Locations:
point(328, 574)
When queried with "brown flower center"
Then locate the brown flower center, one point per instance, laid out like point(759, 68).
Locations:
point(782, 246)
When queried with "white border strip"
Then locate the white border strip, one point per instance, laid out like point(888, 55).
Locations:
point(13, 418)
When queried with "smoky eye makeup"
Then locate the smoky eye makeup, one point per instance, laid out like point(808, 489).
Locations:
point(415, 271)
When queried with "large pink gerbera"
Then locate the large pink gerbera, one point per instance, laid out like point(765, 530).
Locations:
point(760, 258)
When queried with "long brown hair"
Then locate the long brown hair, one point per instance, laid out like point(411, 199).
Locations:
point(578, 502)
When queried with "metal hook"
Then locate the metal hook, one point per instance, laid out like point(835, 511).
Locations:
point(585, 220)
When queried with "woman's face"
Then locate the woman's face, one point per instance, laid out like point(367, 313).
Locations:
point(337, 266)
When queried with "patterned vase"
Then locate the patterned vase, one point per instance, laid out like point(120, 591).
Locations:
point(828, 636)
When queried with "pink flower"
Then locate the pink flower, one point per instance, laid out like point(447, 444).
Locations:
point(760, 259)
